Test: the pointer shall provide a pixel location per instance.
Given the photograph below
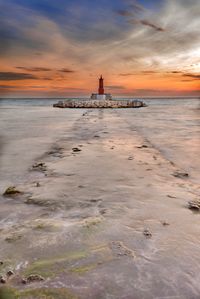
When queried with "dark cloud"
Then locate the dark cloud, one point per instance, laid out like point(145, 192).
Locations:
point(192, 76)
point(66, 70)
point(34, 69)
point(126, 74)
point(147, 23)
point(8, 86)
point(176, 72)
point(12, 76)
point(124, 13)
point(149, 72)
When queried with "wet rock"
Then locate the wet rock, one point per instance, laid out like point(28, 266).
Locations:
point(96, 136)
point(171, 196)
point(143, 146)
point(10, 273)
point(120, 249)
point(130, 158)
point(41, 166)
point(194, 205)
point(76, 149)
point(181, 175)
point(1, 263)
point(147, 233)
point(33, 278)
point(37, 184)
point(11, 191)
point(2, 279)
point(24, 281)
point(165, 223)
point(13, 238)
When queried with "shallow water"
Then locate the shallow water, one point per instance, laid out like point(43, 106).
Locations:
point(28, 127)
point(103, 199)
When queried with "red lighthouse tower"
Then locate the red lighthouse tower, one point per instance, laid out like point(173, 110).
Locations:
point(101, 88)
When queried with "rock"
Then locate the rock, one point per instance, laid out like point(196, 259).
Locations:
point(10, 273)
point(194, 205)
point(11, 191)
point(1, 263)
point(147, 233)
point(165, 223)
point(33, 278)
point(76, 149)
point(38, 184)
point(41, 166)
point(130, 158)
point(2, 279)
point(143, 146)
point(171, 196)
point(24, 281)
point(180, 175)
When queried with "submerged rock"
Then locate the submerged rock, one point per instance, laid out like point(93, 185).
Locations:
point(76, 149)
point(41, 166)
point(165, 223)
point(181, 175)
point(2, 279)
point(147, 233)
point(143, 146)
point(11, 191)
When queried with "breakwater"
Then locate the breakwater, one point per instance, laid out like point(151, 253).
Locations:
point(100, 104)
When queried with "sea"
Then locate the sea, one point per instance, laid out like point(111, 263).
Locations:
point(28, 127)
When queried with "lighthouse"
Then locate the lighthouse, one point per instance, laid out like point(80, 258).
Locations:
point(101, 88)
point(101, 95)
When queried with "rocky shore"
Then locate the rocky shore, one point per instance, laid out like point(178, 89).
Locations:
point(102, 214)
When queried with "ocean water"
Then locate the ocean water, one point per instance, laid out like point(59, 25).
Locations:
point(28, 127)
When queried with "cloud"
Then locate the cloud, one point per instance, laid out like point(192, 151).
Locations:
point(126, 74)
point(12, 76)
point(115, 87)
point(192, 76)
point(34, 69)
point(66, 70)
point(7, 86)
point(147, 23)
point(124, 13)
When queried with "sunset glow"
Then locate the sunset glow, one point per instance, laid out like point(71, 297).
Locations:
point(59, 48)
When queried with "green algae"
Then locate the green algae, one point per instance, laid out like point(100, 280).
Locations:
point(42, 293)
point(61, 293)
point(53, 266)
point(8, 293)
point(83, 269)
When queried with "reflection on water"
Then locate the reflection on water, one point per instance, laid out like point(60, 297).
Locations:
point(173, 126)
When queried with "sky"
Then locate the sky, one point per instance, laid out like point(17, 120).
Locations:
point(60, 48)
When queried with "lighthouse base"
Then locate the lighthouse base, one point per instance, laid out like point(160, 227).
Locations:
point(101, 97)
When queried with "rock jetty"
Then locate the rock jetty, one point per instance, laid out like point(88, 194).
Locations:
point(100, 104)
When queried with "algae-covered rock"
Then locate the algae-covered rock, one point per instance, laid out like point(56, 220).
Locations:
point(33, 278)
point(11, 191)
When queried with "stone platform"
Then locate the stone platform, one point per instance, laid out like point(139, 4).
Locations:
point(100, 104)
